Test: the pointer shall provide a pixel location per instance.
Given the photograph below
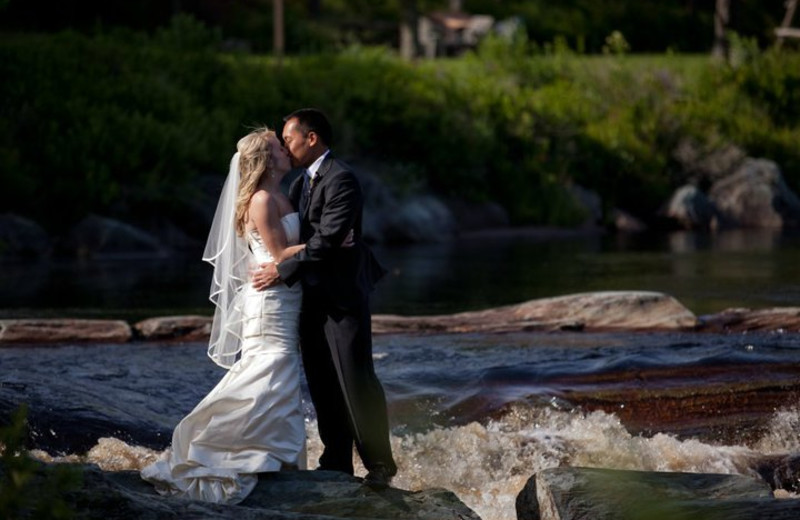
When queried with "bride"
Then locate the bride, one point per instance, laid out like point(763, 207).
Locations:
point(252, 421)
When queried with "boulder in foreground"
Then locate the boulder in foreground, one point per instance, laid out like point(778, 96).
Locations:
point(604, 494)
point(296, 495)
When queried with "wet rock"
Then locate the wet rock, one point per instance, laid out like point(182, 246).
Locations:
point(184, 328)
point(689, 208)
point(590, 312)
point(624, 221)
point(471, 216)
point(379, 203)
point(197, 209)
point(780, 471)
point(171, 235)
point(68, 416)
point(704, 165)
point(781, 319)
point(333, 494)
point(392, 218)
point(611, 310)
point(64, 330)
point(20, 236)
point(589, 202)
point(296, 495)
point(600, 494)
point(716, 403)
point(97, 236)
point(421, 218)
point(756, 196)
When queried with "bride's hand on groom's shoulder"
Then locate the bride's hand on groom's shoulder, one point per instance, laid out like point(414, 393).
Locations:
point(264, 276)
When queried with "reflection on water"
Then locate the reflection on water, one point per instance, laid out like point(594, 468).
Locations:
point(706, 272)
point(123, 288)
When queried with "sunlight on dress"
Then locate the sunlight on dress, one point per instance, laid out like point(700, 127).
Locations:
point(252, 421)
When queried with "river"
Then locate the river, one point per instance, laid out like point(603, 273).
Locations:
point(706, 272)
point(474, 413)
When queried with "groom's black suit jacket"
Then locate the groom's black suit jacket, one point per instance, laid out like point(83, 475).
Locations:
point(346, 275)
point(335, 323)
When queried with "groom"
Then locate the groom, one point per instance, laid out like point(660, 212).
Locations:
point(335, 323)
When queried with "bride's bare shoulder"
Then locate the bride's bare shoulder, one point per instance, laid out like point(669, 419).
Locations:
point(260, 197)
point(263, 199)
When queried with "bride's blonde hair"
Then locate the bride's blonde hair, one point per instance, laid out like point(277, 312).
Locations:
point(255, 159)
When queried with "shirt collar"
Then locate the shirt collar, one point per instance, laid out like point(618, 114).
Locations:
point(314, 168)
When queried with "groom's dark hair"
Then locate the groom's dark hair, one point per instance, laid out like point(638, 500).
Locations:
point(313, 120)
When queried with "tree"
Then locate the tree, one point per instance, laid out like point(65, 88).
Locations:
point(722, 16)
point(277, 29)
point(409, 33)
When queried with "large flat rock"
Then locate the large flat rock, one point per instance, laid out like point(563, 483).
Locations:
point(64, 330)
point(783, 319)
point(605, 494)
point(595, 311)
point(185, 328)
point(634, 311)
point(718, 402)
point(296, 495)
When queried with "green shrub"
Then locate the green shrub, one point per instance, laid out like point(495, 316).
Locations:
point(122, 123)
point(28, 489)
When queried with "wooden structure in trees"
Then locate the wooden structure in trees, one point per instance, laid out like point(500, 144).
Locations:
point(786, 30)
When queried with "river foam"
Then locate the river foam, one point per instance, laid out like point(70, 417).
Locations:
point(487, 465)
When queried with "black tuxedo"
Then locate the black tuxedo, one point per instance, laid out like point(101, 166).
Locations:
point(335, 323)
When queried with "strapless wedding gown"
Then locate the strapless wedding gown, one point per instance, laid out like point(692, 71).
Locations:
point(252, 421)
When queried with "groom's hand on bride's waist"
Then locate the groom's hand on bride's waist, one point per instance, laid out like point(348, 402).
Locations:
point(265, 276)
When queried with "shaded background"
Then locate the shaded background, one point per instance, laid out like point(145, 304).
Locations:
point(131, 111)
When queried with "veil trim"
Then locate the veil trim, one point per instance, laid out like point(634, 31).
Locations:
point(230, 257)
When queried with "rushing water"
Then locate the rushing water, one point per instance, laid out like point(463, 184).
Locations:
point(477, 414)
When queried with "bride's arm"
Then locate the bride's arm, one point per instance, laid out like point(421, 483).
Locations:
point(289, 251)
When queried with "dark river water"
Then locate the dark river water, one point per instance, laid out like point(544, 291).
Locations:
point(474, 413)
point(706, 272)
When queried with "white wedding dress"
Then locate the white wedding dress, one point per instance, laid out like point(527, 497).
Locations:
point(252, 421)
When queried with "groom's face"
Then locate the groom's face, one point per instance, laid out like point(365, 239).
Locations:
point(299, 143)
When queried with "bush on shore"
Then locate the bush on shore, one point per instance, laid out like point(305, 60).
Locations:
point(123, 123)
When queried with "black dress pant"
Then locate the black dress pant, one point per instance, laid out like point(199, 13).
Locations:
point(349, 400)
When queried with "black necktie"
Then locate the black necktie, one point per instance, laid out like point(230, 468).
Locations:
point(305, 196)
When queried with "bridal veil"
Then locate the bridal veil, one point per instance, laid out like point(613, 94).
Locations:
point(229, 254)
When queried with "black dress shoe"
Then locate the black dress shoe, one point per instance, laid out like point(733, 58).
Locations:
point(378, 478)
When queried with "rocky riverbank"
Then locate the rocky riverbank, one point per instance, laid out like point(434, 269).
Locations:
point(71, 416)
point(564, 493)
point(604, 494)
point(306, 495)
point(638, 311)
point(745, 192)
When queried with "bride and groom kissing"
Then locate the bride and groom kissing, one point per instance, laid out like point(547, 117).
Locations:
point(288, 272)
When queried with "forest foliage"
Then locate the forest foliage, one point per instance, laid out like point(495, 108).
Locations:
point(312, 26)
point(122, 122)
